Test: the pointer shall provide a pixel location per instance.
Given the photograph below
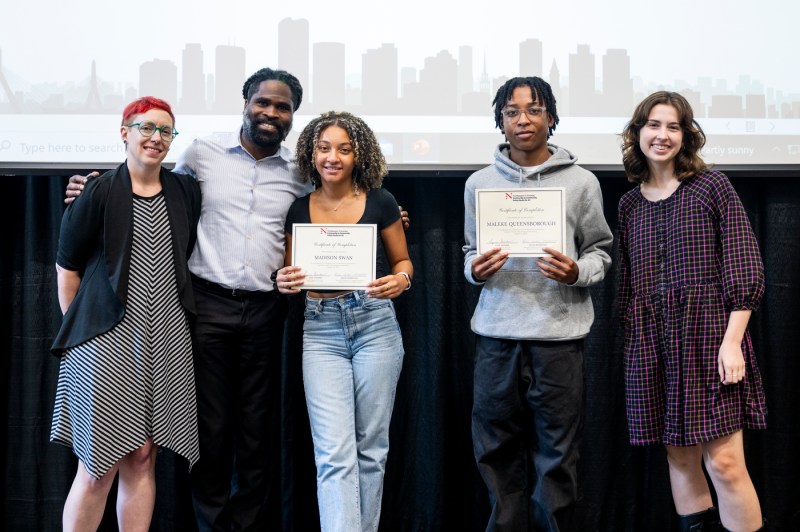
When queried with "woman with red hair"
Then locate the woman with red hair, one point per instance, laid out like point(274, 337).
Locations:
point(126, 384)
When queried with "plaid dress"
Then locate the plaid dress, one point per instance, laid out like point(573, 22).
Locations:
point(686, 262)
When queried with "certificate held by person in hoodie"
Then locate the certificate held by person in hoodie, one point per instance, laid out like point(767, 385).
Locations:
point(521, 221)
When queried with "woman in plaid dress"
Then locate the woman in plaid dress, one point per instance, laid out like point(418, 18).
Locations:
point(690, 276)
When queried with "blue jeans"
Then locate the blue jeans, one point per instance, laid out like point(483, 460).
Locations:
point(352, 357)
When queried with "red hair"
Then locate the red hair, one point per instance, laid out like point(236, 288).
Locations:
point(144, 104)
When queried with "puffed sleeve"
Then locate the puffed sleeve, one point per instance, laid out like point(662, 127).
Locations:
point(742, 269)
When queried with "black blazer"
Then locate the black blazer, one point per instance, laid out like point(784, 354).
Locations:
point(96, 238)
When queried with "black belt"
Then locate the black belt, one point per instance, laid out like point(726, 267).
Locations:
point(231, 293)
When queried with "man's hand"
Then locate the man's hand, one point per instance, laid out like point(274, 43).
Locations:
point(404, 216)
point(558, 267)
point(486, 265)
point(75, 186)
point(290, 280)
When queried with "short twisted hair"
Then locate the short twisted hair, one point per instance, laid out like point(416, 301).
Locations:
point(688, 161)
point(540, 90)
point(370, 165)
point(267, 74)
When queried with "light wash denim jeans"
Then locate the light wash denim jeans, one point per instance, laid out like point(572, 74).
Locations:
point(352, 357)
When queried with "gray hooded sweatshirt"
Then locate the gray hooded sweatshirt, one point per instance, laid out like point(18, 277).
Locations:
point(518, 302)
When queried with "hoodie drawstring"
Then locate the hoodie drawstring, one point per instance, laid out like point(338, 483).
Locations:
point(538, 178)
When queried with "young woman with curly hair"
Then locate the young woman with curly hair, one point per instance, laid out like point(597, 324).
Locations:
point(352, 347)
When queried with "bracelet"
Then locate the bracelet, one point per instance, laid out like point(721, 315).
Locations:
point(408, 279)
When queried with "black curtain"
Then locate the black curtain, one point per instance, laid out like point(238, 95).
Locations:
point(431, 483)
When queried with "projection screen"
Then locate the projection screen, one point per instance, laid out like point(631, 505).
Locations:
point(422, 74)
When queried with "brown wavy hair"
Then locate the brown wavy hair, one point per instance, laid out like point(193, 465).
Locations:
point(688, 161)
point(370, 165)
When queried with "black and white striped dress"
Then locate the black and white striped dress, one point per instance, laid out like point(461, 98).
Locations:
point(136, 380)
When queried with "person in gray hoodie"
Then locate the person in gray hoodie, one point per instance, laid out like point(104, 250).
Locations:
point(530, 322)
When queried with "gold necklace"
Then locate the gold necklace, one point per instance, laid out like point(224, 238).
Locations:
point(341, 201)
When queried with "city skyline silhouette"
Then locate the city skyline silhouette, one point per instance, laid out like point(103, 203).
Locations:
point(429, 101)
point(445, 85)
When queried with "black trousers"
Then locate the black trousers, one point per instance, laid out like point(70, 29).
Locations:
point(527, 420)
point(237, 342)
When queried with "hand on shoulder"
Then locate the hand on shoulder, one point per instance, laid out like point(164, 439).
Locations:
point(75, 186)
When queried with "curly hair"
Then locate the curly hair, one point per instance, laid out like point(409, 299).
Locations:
point(540, 90)
point(688, 161)
point(370, 165)
point(266, 74)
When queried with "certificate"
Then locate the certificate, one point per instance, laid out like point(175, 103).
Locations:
point(521, 221)
point(335, 256)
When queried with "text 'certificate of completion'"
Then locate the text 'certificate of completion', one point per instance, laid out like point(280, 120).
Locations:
point(521, 221)
point(335, 256)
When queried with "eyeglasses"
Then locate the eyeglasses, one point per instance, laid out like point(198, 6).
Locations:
point(532, 112)
point(148, 129)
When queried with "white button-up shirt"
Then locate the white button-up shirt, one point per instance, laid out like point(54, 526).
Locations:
point(240, 237)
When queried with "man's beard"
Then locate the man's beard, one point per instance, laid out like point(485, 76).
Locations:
point(262, 138)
